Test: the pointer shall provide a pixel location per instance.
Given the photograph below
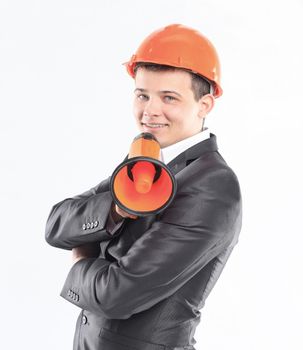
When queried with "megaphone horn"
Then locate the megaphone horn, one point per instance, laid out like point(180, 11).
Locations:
point(143, 185)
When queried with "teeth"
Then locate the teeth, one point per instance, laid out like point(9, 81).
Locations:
point(154, 125)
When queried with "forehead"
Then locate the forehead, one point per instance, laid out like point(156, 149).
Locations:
point(163, 80)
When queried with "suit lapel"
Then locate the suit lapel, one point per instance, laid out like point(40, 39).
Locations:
point(192, 153)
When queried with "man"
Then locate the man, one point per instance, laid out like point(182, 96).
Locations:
point(141, 281)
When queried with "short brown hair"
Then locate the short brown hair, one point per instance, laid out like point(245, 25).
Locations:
point(199, 85)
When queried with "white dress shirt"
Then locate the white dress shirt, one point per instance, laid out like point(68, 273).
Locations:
point(170, 152)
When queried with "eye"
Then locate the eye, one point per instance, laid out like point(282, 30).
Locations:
point(169, 98)
point(142, 97)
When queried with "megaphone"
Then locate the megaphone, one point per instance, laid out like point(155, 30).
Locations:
point(143, 185)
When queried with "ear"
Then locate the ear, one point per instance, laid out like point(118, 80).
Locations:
point(206, 104)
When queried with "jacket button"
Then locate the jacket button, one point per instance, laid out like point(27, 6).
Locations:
point(84, 319)
point(96, 223)
point(83, 227)
point(91, 225)
point(88, 225)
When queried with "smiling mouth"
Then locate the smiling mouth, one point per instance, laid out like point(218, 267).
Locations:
point(154, 125)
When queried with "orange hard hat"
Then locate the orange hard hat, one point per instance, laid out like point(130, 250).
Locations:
point(183, 47)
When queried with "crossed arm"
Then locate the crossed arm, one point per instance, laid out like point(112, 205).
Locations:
point(89, 250)
point(196, 227)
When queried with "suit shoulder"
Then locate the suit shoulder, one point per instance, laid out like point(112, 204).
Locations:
point(210, 169)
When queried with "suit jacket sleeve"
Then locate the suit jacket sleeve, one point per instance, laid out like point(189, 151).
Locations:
point(201, 222)
point(80, 219)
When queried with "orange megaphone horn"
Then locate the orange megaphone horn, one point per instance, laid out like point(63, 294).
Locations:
point(143, 185)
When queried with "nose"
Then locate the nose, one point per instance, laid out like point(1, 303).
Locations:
point(152, 108)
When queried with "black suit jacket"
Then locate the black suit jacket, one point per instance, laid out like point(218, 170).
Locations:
point(145, 289)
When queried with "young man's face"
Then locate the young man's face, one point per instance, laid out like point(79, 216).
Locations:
point(164, 105)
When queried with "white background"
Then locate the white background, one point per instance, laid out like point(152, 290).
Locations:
point(66, 123)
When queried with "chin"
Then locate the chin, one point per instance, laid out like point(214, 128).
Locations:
point(164, 144)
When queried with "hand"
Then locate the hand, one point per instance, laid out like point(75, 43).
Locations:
point(88, 250)
point(118, 214)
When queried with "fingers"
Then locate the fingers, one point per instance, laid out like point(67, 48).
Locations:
point(124, 214)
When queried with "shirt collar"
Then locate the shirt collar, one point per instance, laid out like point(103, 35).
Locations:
point(170, 152)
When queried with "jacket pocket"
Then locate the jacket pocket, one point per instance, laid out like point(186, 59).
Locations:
point(127, 343)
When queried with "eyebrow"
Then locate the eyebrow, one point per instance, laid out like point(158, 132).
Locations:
point(162, 92)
